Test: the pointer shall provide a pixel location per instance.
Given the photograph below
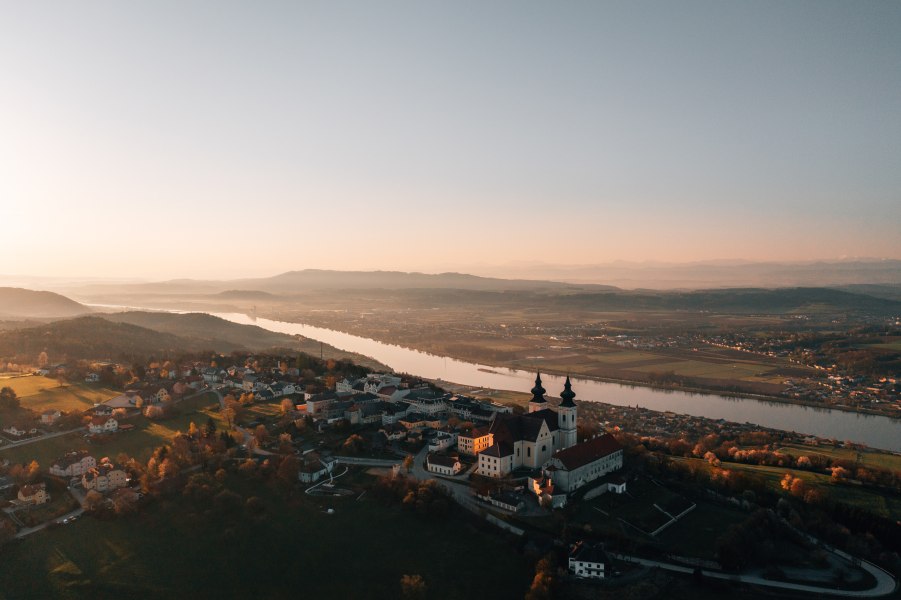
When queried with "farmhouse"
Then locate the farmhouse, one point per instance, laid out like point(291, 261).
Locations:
point(315, 467)
point(101, 424)
point(49, 416)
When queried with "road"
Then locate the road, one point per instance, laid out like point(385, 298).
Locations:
point(459, 491)
point(40, 438)
point(885, 583)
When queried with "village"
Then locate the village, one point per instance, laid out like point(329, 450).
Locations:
point(519, 466)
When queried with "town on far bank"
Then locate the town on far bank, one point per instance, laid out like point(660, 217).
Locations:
point(604, 498)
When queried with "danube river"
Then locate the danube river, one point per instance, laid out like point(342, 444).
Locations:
point(874, 431)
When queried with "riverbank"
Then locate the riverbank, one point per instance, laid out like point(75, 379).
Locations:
point(663, 387)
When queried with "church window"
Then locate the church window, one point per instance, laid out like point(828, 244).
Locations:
point(529, 451)
point(543, 448)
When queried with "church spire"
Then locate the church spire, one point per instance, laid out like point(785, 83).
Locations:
point(538, 391)
point(567, 394)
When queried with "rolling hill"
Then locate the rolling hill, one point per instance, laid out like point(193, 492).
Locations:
point(19, 303)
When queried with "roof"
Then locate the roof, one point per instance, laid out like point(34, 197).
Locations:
point(476, 433)
point(515, 428)
point(70, 458)
point(588, 452)
point(98, 420)
point(31, 489)
point(499, 450)
point(585, 552)
point(441, 460)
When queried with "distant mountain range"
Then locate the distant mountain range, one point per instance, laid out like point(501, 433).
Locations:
point(18, 303)
point(713, 274)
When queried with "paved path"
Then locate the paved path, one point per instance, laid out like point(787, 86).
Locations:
point(885, 583)
point(40, 438)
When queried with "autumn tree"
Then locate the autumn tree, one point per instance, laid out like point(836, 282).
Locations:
point(543, 583)
point(412, 586)
point(93, 500)
point(408, 462)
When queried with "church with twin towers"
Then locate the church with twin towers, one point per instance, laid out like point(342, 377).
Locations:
point(530, 440)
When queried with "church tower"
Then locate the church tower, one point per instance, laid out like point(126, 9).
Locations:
point(537, 402)
point(566, 416)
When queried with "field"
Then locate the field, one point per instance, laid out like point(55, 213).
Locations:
point(882, 460)
point(295, 550)
point(879, 503)
point(41, 393)
point(138, 443)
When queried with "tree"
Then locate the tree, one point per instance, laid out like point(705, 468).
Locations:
point(412, 586)
point(43, 360)
point(8, 399)
point(32, 471)
point(543, 583)
point(261, 434)
point(408, 463)
point(288, 470)
point(209, 430)
point(93, 500)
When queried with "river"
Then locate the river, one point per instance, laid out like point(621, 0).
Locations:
point(873, 430)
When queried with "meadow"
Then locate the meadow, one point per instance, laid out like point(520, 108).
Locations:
point(42, 393)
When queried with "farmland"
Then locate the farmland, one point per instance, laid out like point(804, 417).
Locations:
point(42, 393)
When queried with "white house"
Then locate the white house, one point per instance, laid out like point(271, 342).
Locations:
point(104, 478)
point(100, 424)
point(92, 378)
point(49, 416)
point(14, 431)
point(587, 561)
point(443, 465)
point(73, 464)
point(34, 493)
point(443, 441)
point(315, 467)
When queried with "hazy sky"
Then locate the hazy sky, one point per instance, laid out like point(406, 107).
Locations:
point(166, 139)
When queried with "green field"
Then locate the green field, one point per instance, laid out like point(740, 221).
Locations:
point(295, 550)
point(138, 443)
point(41, 393)
point(873, 500)
point(882, 460)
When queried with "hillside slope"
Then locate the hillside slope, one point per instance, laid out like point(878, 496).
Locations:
point(22, 303)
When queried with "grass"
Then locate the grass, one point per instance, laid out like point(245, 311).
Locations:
point(41, 393)
point(883, 460)
point(169, 550)
point(874, 501)
point(696, 533)
point(138, 443)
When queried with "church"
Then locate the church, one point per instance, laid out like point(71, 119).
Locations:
point(530, 440)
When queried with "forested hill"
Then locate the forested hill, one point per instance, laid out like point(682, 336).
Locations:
point(21, 303)
point(206, 329)
point(90, 337)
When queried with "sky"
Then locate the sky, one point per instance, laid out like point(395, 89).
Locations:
point(215, 139)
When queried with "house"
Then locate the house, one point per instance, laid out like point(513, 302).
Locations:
point(394, 432)
point(319, 403)
point(73, 464)
point(14, 431)
point(34, 493)
point(530, 439)
point(105, 477)
point(443, 465)
point(511, 501)
point(100, 424)
point(589, 561)
point(442, 441)
point(475, 441)
point(417, 421)
point(101, 410)
point(315, 467)
point(571, 468)
point(211, 375)
point(49, 416)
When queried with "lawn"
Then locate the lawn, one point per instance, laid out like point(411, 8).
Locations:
point(41, 393)
point(297, 550)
